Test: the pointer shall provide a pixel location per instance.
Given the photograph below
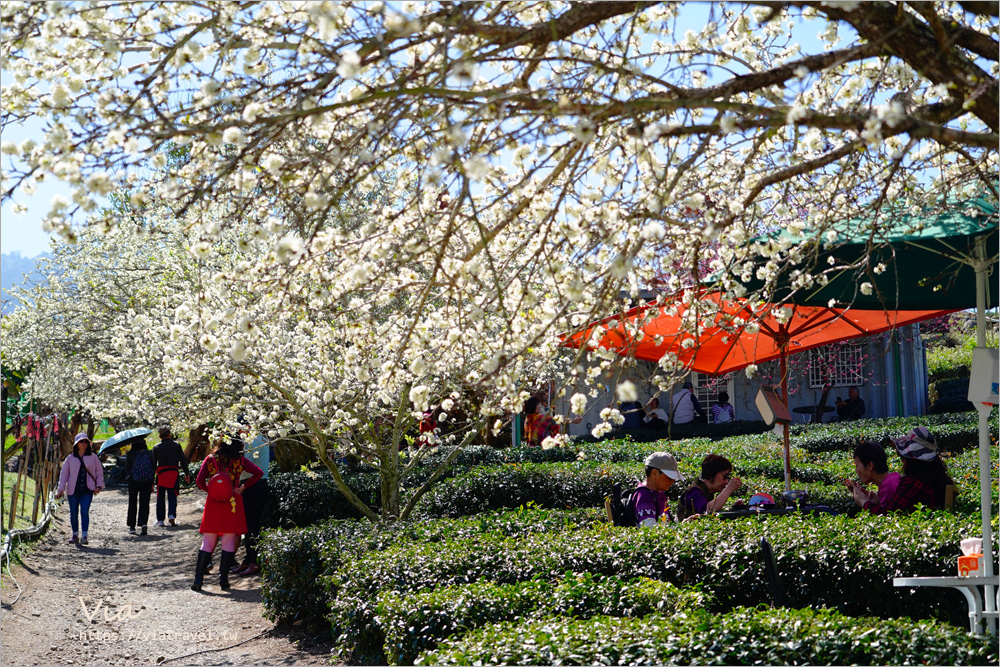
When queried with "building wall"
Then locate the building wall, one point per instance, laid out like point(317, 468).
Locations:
point(894, 371)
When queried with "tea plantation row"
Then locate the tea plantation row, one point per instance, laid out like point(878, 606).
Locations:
point(485, 479)
point(845, 564)
point(509, 560)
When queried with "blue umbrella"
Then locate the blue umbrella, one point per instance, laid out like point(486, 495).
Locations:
point(121, 439)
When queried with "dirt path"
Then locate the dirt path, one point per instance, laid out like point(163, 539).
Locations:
point(147, 613)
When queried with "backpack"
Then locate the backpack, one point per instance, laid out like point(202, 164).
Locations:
point(220, 487)
point(622, 511)
point(142, 467)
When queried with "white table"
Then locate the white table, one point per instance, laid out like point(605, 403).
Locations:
point(969, 587)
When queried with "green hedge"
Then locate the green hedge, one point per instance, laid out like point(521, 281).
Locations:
point(952, 395)
point(293, 559)
point(415, 623)
point(954, 432)
point(682, 432)
point(740, 637)
point(485, 478)
point(831, 561)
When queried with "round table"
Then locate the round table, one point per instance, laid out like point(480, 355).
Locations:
point(811, 409)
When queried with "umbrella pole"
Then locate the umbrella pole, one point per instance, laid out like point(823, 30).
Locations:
point(985, 467)
point(785, 436)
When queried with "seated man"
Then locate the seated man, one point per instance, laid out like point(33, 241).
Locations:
point(632, 412)
point(716, 478)
point(686, 406)
point(873, 468)
point(651, 495)
point(851, 409)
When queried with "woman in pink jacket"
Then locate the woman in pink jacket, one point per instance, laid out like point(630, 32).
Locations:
point(81, 478)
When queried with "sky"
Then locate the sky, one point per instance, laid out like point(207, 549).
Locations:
point(23, 233)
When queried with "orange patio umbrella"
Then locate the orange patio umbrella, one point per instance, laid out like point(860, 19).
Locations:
point(699, 330)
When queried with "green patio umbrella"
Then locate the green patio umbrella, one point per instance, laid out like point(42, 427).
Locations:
point(937, 259)
point(913, 261)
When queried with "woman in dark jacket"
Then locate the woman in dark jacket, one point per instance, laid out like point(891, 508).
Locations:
point(139, 473)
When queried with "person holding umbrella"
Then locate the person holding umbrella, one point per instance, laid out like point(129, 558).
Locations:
point(139, 473)
point(224, 515)
point(81, 478)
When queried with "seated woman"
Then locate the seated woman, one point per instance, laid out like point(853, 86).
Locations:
point(537, 425)
point(924, 480)
point(723, 410)
point(656, 417)
point(716, 478)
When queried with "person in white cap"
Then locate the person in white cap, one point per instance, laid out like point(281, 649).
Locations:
point(924, 475)
point(651, 494)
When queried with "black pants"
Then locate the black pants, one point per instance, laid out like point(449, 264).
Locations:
point(138, 498)
point(253, 505)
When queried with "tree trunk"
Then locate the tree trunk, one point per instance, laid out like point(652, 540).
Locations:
point(292, 453)
point(197, 448)
point(818, 413)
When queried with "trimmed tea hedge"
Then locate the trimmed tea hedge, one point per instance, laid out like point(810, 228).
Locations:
point(740, 637)
point(415, 623)
point(831, 561)
point(486, 478)
point(293, 560)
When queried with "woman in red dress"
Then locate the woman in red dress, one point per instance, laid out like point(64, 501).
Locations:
point(219, 476)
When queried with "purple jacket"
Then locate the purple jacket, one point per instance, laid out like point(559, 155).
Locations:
point(71, 468)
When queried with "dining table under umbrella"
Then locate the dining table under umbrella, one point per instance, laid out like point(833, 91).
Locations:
point(700, 330)
point(938, 257)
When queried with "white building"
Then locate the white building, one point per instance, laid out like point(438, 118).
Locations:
point(889, 370)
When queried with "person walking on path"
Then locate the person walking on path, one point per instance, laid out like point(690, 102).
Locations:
point(254, 498)
point(169, 461)
point(219, 476)
point(81, 478)
point(139, 473)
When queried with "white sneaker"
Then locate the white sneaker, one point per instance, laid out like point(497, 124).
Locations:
point(159, 523)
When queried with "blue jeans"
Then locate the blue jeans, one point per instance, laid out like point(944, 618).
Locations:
point(81, 501)
point(166, 498)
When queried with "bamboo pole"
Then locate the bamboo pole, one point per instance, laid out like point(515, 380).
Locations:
point(27, 475)
point(13, 493)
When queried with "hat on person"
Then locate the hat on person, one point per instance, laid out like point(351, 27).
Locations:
point(665, 463)
point(79, 437)
point(688, 385)
point(917, 444)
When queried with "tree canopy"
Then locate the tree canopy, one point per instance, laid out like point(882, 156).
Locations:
point(335, 212)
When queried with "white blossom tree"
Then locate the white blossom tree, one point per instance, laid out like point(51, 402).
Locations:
point(386, 205)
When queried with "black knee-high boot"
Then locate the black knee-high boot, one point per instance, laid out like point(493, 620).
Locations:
point(225, 562)
point(204, 558)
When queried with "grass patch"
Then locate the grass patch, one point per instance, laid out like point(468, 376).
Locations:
point(22, 518)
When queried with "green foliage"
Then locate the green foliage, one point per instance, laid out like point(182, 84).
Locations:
point(950, 395)
point(683, 432)
point(949, 362)
point(292, 560)
point(741, 637)
point(415, 623)
point(490, 479)
point(834, 561)
point(954, 433)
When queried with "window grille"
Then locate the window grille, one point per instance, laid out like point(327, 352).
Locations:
point(707, 389)
point(840, 365)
